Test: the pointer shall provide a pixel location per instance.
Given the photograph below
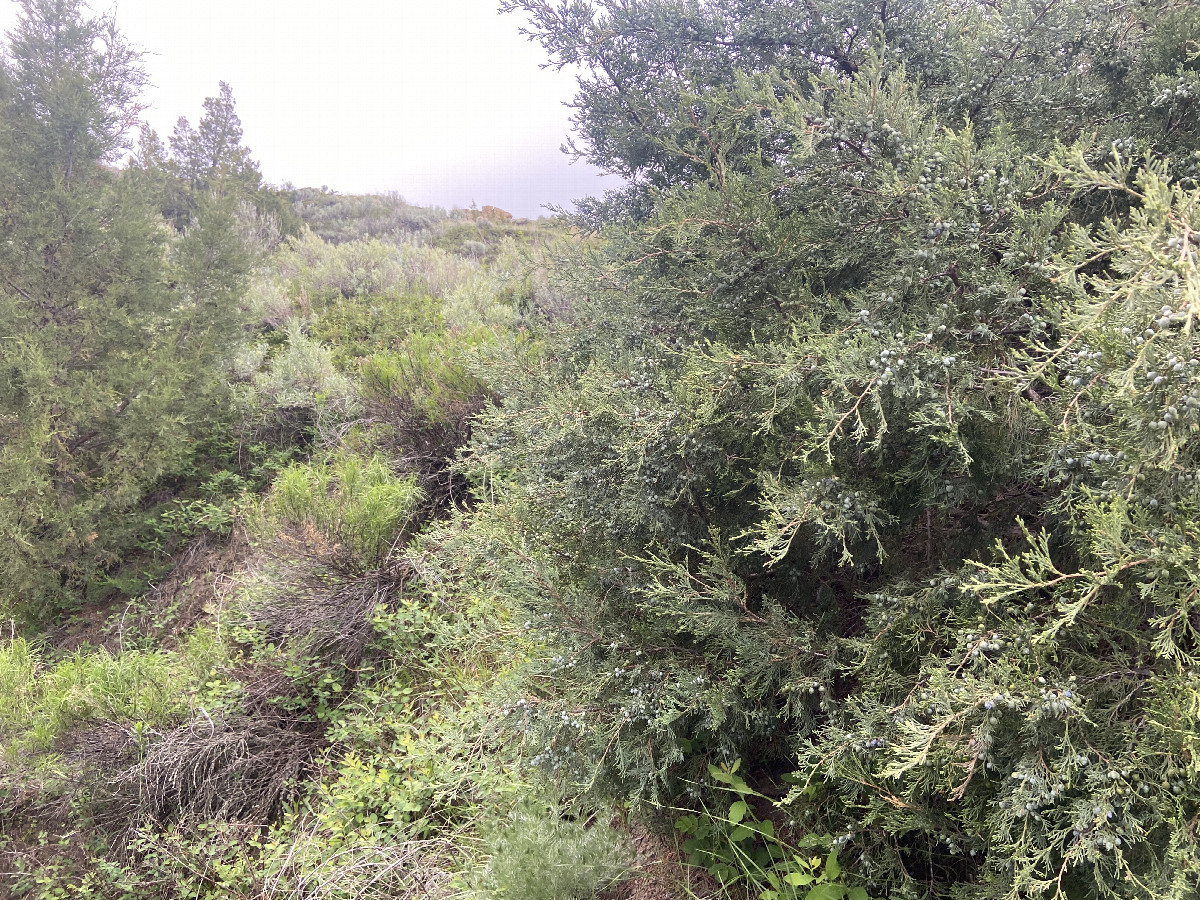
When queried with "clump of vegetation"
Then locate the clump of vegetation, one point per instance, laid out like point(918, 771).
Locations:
point(357, 504)
point(537, 854)
point(338, 218)
point(825, 501)
point(862, 454)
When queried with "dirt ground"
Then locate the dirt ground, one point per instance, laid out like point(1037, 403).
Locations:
point(660, 872)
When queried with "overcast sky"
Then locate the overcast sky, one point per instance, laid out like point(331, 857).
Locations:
point(441, 100)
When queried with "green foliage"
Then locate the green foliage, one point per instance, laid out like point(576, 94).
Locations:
point(17, 666)
point(293, 397)
point(864, 448)
point(540, 854)
point(127, 687)
point(115, 329)
point(332, 734)
point(360, 327)
point(419, 726)
point(357, 269)
point(220, 505)
point(338, 219)
point(741, 850)
point(480, 239)
point(211, 158)
point(428, 371)
point(471, 306)
point(322, 272)
point(44, 700)
point(412, 770)
point(357, 504)
point(269, 304)
point(411, 353)
point(412, 763)
point(213, 861)
point(662, 117)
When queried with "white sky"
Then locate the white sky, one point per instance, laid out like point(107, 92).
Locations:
point(441, 100)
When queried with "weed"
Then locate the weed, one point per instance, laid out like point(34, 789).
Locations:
point(741, 850)
point(541, 853)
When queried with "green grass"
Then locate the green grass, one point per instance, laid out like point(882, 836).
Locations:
point(18, 664)
point(354, 502)
point(40, 700)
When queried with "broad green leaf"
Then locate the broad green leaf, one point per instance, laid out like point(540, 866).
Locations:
point(737, 812)
point(686, 824)
point(826, 892)
point(832, 869)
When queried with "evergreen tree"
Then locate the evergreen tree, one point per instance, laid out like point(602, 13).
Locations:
point(209, 167)
point(211, 158)
point(845, 462)
point(111, 331)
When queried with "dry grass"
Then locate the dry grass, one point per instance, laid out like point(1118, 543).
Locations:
point(314, 609)
point(410, 870)
point(240, 768)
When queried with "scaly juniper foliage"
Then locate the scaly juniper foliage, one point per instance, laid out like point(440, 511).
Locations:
point(866, 453)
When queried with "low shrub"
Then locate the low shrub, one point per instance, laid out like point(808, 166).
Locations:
point(542, 853)
point(294, 397)
point(357, 504)
point(320, 272)
point(419, 403)
point(339, 218)
point(358, 327)
point(269, 303)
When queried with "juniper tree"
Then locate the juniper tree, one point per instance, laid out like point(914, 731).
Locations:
point(850, 460)
point(209, 168)
point(112, 331)
point(209, 161)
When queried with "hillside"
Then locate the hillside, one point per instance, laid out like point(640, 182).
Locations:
point(815, 517)
point(305, 697)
